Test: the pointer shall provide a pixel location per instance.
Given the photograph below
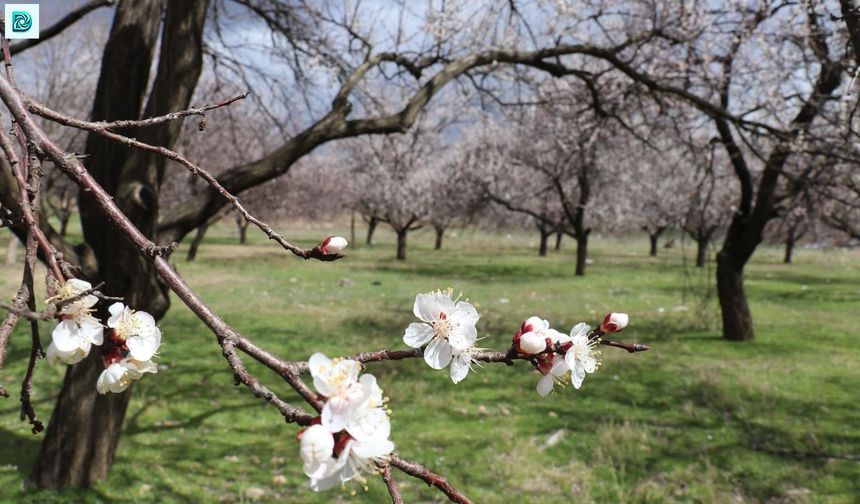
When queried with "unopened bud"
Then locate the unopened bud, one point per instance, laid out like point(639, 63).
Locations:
point(532, 343)
point(614, 322)
point(333, 245)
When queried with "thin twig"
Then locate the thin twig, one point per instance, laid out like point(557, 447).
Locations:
point(391, 485)
point(172, 116)
point(195, 169)
point(417, 470)
point(27, 409)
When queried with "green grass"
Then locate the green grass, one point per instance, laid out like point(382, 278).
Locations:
point(696, 419)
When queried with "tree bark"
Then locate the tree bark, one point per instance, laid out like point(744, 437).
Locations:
point(701, 251)
point(401, 244)
point(84, 430)
point(440, 232)
point(737, 319)
point(653, 237)
point(581, 253)
point(371, 228)
point(558, 237)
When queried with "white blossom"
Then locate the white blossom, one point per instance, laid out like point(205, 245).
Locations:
point(447, 328)
point(353, 435)
point(137, 329)
point(338, 381)
point(119, 375)
point(581, 357)
point(78, 330)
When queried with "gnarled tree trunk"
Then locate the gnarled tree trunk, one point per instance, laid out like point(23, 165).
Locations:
point(737, 319)
point(84, 430)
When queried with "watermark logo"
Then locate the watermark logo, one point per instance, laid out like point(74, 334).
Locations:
point(22, 21)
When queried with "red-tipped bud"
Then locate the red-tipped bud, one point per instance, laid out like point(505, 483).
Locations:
point(530, 339)
point(333, 245)
point(614, 322)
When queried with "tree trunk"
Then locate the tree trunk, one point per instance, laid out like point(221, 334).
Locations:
point(653, 237)
point(12, 251)
point(737, 319)
point(558, 237)
point(581, 253)
point(198, 239)
point(789, 249)
point(701, 252)
point(440, 232)
point(84, 430)
point(544, 239)
point(371, 227)
point(401, 245)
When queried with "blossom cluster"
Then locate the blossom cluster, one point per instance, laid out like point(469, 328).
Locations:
point(447, 333)
point(351, 434)
point(128, 345)
point(556, 355)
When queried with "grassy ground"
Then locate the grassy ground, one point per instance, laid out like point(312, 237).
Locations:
point(696, 419)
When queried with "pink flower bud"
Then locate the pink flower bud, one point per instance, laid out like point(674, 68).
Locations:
point(614, 322)
point(333, 245)
point(531, 343)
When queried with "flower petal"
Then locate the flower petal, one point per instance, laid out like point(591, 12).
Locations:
point(373, 424)
point(462, 337)
point(589, 363)
point(438, 353)
point(559, 366)
point(427, 307)
point(577, 375)
point(465, 313)
point(417, 334)
point(320, 366)
point(459, 368)
point(373, 450)
point(335, 414)
point(67, 336)
point(580, 329)
point(545, 384)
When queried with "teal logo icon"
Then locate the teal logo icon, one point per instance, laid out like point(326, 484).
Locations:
point(21, 21)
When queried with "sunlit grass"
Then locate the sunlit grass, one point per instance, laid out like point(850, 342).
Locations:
point(696, 419)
